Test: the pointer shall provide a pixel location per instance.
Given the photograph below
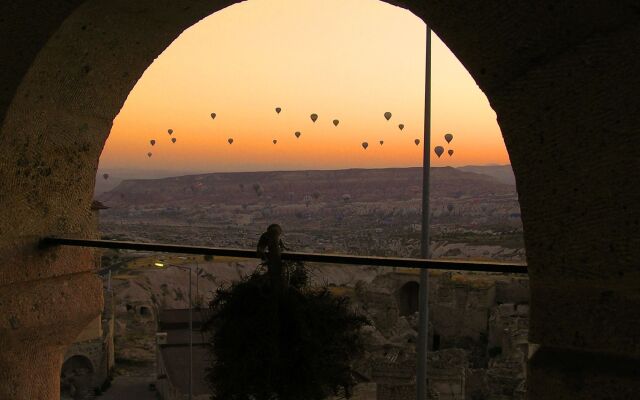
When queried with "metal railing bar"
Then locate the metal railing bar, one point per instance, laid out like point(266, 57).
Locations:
point(418, 263)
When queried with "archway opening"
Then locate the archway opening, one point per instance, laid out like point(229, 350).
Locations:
point(407, 298)
point(236, 161)
point(322, 134)
point(435, 345)
point(76, 377)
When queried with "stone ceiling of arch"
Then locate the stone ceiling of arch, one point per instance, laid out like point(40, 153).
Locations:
point(496, 42)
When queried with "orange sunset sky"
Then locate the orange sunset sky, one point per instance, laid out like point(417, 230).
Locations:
point(351, 60)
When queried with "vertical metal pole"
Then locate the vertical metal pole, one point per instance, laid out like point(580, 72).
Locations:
point(421, 373)
point(197, 292)
point(190, 341)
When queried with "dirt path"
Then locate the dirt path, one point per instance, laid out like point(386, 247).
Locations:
point(129, 388)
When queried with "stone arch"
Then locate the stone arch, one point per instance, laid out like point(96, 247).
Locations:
point(76, 376)
point(407, 298)
point(554, 73)
point(78, 364)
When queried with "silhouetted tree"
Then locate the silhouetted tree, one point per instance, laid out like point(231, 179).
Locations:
point(285, 343)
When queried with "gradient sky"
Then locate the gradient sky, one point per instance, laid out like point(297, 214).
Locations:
point(351, 60)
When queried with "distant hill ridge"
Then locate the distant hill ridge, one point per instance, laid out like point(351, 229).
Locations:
point(293, 186)
point(503, 173)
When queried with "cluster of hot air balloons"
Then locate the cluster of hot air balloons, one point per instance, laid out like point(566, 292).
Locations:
point(387, 116)
point(314, 118)
point(152, 142)
point(439, 150)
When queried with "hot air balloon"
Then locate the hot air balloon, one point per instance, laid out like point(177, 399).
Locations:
point(173, 140)
point(438, 150)
point(278, 109)
point(381, 142)
point(275, 141)
point(336, 122)
point(387, 115)
point(365, 145)
point(105, 176)
point(149, 154)
point(297, 134)
point(153, 142)
point(450, 153)
point(213, 115)
point(314, 117)
point(230, 140)
point(448, 137)
point(417, 141)
point(401, 126)
point(450, 207)
point(170, 131)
